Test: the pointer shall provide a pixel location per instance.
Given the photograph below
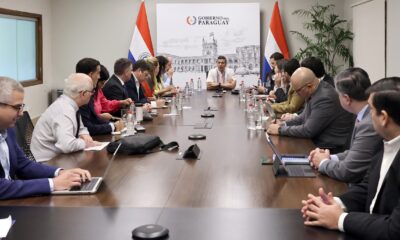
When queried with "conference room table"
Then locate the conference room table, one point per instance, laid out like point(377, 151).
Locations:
point(226, 194)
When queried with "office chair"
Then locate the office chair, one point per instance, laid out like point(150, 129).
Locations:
point(24, 130)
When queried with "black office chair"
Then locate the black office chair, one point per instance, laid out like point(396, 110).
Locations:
point(24, 130)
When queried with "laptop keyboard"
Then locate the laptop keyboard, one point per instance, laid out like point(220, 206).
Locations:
point(86, 185)
point(296, 171)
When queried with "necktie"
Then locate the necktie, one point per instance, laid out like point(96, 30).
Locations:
point(5, 162)
point(78, 118)
point(125, 93)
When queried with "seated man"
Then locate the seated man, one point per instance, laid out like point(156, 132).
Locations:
point(114, 88)
point(370, 209)
point(351, 166)
point(221, 76)
point(60, 128)
point(91, 120)
point(19, 176)
point(294, 102)
point(323, 119)
point(140, 73)
point(269, 83)
point(315, 64)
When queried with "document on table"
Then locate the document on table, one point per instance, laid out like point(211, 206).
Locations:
point(5, 225)
point(98, 147)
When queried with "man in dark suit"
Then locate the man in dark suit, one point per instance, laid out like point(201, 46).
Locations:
point(323, 119)
point(371, 209)
point(94, 124)
point(140, 72)
point(19, 176)
point(315, 64)
point(350, 166)
point(114, 88)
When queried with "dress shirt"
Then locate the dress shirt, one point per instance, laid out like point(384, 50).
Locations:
point(5, 160)
point(360, 116)
point(137, 84)
point(214, 75)
point(4, 157)
point(55, 131)
point(390, 149)
point(167, 81)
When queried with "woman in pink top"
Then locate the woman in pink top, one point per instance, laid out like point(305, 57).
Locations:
point(104, 107)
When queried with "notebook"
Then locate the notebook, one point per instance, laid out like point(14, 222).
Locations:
point(88, 187)
point(280, 168)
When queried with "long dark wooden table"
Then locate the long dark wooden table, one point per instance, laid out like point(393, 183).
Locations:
point(228, 176)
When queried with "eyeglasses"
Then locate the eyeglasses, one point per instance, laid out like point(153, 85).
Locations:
point(301, 88)
point(17, 107)
point(89, 91)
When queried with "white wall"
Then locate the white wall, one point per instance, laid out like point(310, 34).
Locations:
point(393, 38)
point(102, 29)
point(36, 97)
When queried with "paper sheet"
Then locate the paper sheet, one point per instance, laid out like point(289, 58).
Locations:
point(5, 225)
point(99, 147)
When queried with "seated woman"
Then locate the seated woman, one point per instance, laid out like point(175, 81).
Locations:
point(159, 89)
point(294, 102)
point(280, 91)
point(102, 105)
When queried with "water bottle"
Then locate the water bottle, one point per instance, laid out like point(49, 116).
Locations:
point(130, 125)
point(173, 105)
point(139, 112)
point(186, 90)
point(191, 87)
point(199, 84)
point(179, 102)
point(242, 93)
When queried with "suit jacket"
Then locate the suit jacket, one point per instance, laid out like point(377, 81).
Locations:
point(364, 149)
point(327, 78)
point(92, 121)
point(114, 90)
point(133, 93)
point(323, 120)
point(384, 223)
point(293, 104)
point(28, 177)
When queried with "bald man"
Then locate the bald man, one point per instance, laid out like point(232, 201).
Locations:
point(60, 128)
point(323, 120)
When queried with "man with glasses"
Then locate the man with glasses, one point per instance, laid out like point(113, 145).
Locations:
point(323, 120)
point(60, 128)
point(19, 176)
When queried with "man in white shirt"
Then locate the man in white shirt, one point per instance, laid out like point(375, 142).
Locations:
point(371, 209)
point(60, 128)
point(221, 76)
point(19, 176)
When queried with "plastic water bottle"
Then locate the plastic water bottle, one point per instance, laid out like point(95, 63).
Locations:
point(243, 90)
point(199, 84)
point(173, 105)
point(179, 102)
point(186, 90)
point(130, 125)
point(191, 87)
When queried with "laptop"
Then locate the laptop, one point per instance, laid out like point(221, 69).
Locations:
point(88, 187)
point(280, 168)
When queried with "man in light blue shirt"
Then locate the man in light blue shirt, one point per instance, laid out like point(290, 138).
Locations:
point(350, 166)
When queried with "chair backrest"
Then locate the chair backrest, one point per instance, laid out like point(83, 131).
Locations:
point(24, 130)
